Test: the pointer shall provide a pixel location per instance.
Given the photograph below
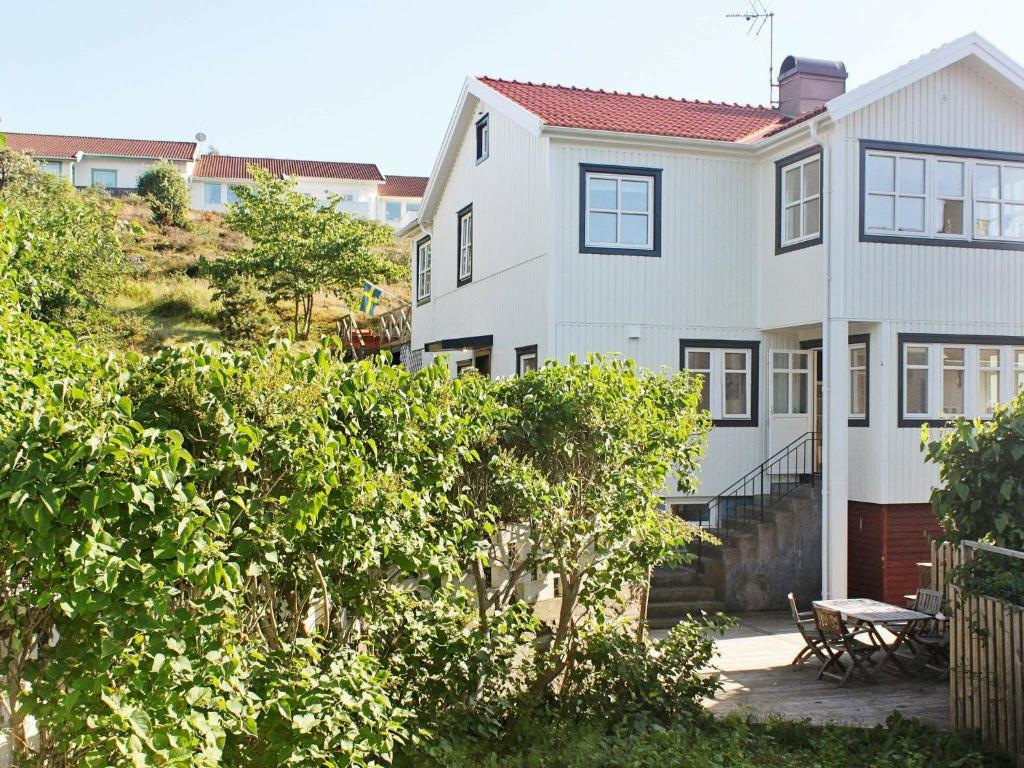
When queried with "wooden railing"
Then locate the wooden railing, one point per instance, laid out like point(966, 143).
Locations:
point(986, 653)
point(387, 330)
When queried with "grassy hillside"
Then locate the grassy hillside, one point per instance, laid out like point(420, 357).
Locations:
point(167, 291)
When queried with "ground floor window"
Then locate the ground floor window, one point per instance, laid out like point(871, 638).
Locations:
point(101, 177)
point(791, 376)
point(944, 377)
point(858, 381)
point(729, 375)
point(526, 359)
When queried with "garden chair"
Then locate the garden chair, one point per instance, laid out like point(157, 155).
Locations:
point(812, 642)
point(928, 640)
point(836, 641)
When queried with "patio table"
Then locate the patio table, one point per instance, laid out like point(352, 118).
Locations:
point(871, 613)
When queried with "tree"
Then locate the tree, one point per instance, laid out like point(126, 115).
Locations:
point(301, 248)
point(167, 194)
point(244, 317)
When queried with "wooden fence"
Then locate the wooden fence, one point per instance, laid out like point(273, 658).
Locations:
point(986, 654)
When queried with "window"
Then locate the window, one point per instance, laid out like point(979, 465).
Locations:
point(211, 194)
point(232, 195)
point(483, 138)
point(728, 371)
point(50, 166)
point(465, 245)
point(423, 269)
point(412, 207)
point(798, 190)
point(393, 210)
point(791, 377)
point(946, 377)
point(859, 382)
point(620, 210)
point(931, 194)
point(101, 177)
point(463, 367)
point(526, 359)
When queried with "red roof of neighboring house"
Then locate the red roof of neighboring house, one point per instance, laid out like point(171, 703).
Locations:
point(635, 113)
point(404, 186)
point(230, 167)
point(67, 147)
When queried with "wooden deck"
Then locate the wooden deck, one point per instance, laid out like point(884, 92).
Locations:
point(754, 659)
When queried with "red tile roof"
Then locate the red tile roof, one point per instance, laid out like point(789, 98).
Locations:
point(66, 147)
point(632, 113)
point(230, 167)
point(404, 186)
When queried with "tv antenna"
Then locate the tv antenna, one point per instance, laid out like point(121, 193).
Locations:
point(758, 17)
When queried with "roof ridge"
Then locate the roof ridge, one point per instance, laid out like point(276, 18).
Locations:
point(96, 138)
point(706, 102)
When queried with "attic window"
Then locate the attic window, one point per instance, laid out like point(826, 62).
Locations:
point(483, 138)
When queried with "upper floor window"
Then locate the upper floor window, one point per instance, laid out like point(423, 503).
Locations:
point(211, 194)
point(729, 379)
point(465, 245)
point(798, 191)
point(393, 210)
point(947, 377)
point(940, 194)
point(620, 210)
point(423, 269)
point(101, 177)
point(50, 166)
point(483, 138)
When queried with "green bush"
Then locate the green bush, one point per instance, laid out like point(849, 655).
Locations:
point(244, 316)
point(167, 194)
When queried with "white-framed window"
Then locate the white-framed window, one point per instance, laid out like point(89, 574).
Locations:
point(50, 166)
point(393, 210)
point(232, 195)
point(423, 269)
point(211, 193)
point(858, 381)
point(412, 207)
point(946, 379)
point(483, 138)
point(801, 200)
point(791, 383)
point(619, 210)
point(726, 381)
point(937, 197)
point(103, 177)
point(526, 360)
point(465, 245)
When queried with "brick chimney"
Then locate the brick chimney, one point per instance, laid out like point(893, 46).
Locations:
point(806, 84)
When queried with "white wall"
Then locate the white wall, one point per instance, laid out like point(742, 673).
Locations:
point(128, 169)
point(406, 214)
point(364, 192)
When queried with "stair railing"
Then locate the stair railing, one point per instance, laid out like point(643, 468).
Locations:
point(760, 489)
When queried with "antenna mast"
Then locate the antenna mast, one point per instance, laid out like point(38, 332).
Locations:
point(759, 16)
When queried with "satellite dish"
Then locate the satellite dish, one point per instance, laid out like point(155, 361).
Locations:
point(200, 137)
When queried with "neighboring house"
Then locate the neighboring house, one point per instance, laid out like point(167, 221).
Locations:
point(850, 264)
point(115, 164)
point(361, 187)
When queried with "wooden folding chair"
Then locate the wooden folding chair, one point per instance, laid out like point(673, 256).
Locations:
point(838, 640)
point(812, 642)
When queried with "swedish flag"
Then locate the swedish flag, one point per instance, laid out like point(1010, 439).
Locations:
point(371, 294)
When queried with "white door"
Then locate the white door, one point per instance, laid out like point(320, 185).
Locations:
point(791, 413)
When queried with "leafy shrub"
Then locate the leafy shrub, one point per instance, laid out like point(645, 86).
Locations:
point(243, 317)
point(981, 466)
point(166, 193)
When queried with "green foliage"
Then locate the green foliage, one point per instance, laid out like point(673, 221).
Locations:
point(300, 247)
point(244, 318)
point(548, 740)
point(981, 466)
point(166, 192)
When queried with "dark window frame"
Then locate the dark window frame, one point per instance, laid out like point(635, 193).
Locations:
point(459, 215)
point(483, 148)
point(964, 153)
point(420, 301)
point(902, 339)
point(853, 338)
point(780, 165)
point(625, 170)
point(522, 352)
point(754, 347)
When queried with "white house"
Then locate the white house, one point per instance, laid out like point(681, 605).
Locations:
point(849, 265)
point(114, 164)
point(362, 188)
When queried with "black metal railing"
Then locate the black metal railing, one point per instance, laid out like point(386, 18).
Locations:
point(748, 499)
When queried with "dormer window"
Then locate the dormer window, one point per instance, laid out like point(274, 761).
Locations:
point(798, 196)
point(483, 138)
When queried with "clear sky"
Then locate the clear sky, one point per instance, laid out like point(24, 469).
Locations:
point(376, 81)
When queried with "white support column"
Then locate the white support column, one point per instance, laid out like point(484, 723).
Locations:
point(835, 461)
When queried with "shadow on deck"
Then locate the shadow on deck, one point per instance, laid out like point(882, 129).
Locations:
point(754, 659)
